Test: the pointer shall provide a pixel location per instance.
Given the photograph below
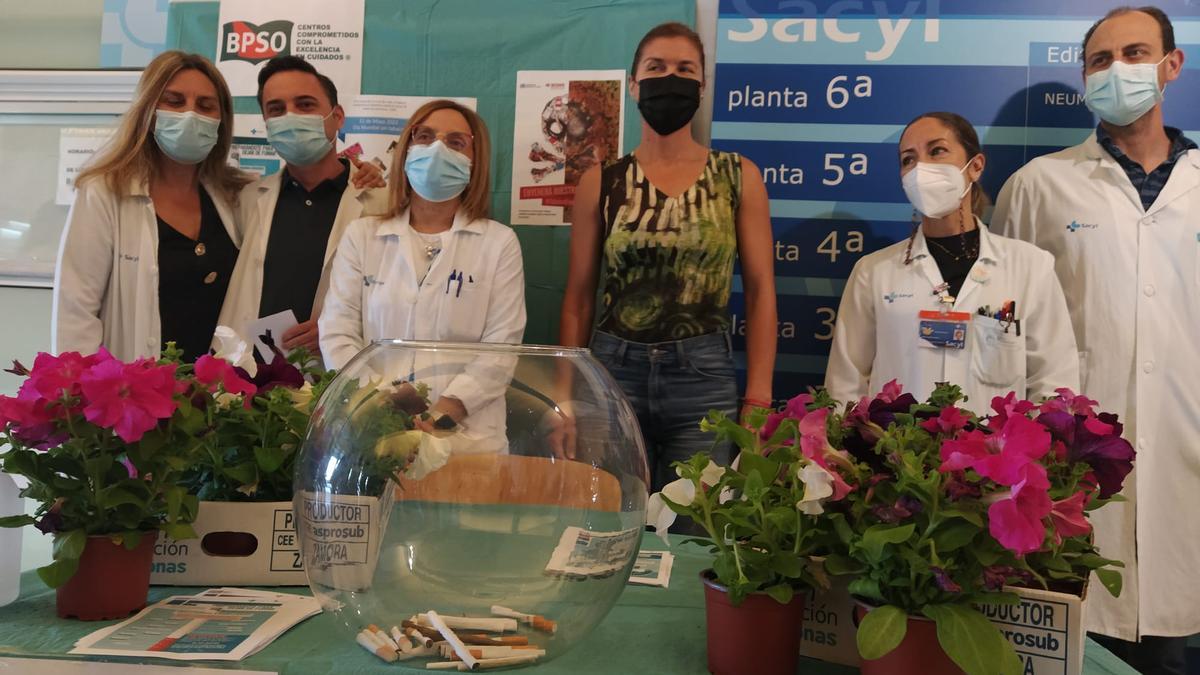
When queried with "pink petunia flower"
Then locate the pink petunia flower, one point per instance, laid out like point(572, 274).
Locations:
point(129, 398)
point(1067, 517)
point(814, 444)
point(949, 421)
point(1069, 402)
point(1009, 406)
point(890, 392)
point(211, 371)
point(1000, 456)
point(795, 409)
point(53, 377)
point(1016, 521)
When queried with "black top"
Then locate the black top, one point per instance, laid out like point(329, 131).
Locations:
point(192, 278)
point(295, 255)
point(1148, 185)
point(955, 255)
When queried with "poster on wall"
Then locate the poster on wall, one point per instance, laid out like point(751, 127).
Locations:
point(76, 145)
point(328, 35)
point(373, 125)
point(567, 121)
point(250, 150)
point(818, 100)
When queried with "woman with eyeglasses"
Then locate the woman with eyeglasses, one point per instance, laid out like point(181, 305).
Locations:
point(434, 267)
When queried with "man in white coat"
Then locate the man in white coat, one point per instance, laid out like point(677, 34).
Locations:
point(1121, 214)
point(294, 219)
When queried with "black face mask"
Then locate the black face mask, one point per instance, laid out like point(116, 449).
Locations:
point(668, 103)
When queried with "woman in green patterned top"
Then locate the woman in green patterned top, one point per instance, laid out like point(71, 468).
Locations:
point(665, 223)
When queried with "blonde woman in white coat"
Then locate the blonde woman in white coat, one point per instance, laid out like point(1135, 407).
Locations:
point(151, 239)
point(953, 303)
point(437, 269)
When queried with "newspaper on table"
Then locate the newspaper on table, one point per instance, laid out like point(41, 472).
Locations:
point(222, 624)
point(583, 553)
point(653, 568)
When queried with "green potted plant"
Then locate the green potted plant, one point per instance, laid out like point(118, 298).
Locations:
point(762, 520)
point(956, 511)
point(102, 443)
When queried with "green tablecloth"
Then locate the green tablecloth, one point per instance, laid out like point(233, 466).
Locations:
point(650, 630)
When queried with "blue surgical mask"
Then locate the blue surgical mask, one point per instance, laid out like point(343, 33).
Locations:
point(185, 137)
point(1124, 92)
point(299, 139)
point(436, 172)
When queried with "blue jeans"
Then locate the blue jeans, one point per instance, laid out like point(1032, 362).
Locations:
point(672, 386)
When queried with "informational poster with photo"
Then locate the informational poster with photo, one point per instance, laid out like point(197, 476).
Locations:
point(76, 146)
point(250, 150)
point(374, 123)
point(329, 35)
point(567, 121)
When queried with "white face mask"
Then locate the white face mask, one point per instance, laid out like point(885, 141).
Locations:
point(1123, 92)
point(936, 190)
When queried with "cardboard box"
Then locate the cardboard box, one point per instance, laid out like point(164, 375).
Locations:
point(238, 544)
point(1046, 629)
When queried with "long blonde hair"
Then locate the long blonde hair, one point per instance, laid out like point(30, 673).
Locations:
point(476, 198)
point(132, 154)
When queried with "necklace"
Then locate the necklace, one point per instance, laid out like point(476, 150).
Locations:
point(433, 244)
point(965, 255)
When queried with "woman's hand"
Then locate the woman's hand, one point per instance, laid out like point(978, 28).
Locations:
point(366, 174)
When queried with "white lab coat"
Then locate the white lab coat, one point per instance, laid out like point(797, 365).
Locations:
point(257, 211)
point(374, 294)
point(106, 278)
point(1132, 280)
point(876, 339)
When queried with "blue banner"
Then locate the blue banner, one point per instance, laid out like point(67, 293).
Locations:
point(817, 93)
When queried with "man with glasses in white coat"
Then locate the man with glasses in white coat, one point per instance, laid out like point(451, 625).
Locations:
point(1121, 214)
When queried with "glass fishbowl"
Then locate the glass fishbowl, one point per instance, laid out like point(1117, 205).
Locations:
point(493, 492)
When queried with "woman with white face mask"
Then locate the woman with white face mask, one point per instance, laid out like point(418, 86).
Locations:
point(433, 268)
point(150, 242)
point(954, 302)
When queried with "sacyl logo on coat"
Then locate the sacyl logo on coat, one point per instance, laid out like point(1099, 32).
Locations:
point(893, 296)
point(244, 41)
point(1076, 225)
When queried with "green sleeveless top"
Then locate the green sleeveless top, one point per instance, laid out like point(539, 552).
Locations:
point(668, 261)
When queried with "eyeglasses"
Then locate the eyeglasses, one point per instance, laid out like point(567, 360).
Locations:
point(457, 141)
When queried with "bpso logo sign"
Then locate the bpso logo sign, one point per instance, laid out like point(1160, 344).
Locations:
point(244, 41)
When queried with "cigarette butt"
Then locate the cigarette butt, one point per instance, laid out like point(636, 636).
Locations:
point(536, 620)
point(372, 638)
point(503, 641)
point(506, 661)
point(406, 645)
point(443, 665)
point(483, 652)
point(475, 623)
point(422, 634)
point(387, 639)
point(383, 652)
point(452, 638)
point(545, 625)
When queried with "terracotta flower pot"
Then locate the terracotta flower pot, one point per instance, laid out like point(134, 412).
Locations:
point(760, 635)
point(919, 653)
point(111, 582)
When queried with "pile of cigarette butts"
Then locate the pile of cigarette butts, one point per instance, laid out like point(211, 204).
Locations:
point(432, 635)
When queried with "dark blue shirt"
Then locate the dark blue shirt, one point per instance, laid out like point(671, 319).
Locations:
point(295, 255)
point(1150, 184)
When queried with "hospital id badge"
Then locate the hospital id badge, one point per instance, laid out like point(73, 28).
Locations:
point(943, 330)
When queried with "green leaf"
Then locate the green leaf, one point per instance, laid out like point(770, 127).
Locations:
point(69, 545)
point(971, 641)
point(969, 516)
point(17, 521)
point(58, 572)
point(787, 565)
point(881, 631)
point(781, 593)
point(244, 473)
point(178, 531)
point(269, 459)
point(866, 588)
point(1111, 579)
point(112, 497)
point(174, 498)
point(954, 534)
point(878, 536)
point(839, 565)
point(131, 539)
point(751, 463)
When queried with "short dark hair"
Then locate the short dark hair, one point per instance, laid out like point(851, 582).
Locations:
point(670, 29)
point(1164, 24)
point(281, 64)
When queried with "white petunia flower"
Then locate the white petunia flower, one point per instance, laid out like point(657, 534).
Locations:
point(232, 348)
point(818, 486)
point(658, 514)
point(432, 454)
